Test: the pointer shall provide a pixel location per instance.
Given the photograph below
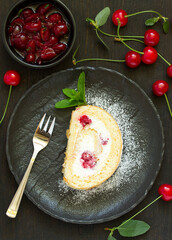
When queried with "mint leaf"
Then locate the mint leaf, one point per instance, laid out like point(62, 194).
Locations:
point(133, 228)
point(151, 21)
point(81, 86)
point(75, 98)
point(69, 92)
point(65, 103)
point(166, 26)
point(102, 17)
point(111, 237)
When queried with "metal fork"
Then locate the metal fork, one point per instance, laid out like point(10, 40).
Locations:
point(41, 139)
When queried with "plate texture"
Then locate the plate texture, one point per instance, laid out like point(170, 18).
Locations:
point(143, 144)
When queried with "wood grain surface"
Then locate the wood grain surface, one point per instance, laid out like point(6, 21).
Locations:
point(33, 224)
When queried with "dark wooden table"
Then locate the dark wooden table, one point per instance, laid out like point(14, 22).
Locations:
point(31, 223)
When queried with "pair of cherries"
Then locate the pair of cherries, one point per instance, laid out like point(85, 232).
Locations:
point(150, 55)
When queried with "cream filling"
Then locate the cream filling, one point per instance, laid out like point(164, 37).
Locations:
point(88, 143)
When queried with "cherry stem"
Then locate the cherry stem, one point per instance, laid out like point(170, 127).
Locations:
point(101, 39)
point(146, 11)
point(92, 59)
point(123, 41)
point(96, 59)
point(169, 108)
point(128, 39)
point(111, 35)
point(9, 94)
point(164, 59)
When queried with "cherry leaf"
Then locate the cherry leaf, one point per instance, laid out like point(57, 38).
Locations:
point(102, 17)
point(133, 228)
point(151, 21)
point(166, 26)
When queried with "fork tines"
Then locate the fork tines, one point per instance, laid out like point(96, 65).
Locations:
point(46, 124)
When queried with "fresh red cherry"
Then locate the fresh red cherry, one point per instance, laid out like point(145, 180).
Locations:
point(45, 34)
point(55, 17)
point(150, 55)
point(120, 14)
point(26, 13)
point(30, 58)
point(160, 87)
point(60, 29)
point(166, 191)
point(43, 8)
point(151, 37)
point(47, 54)
point(19, 41)
point(31, 46)
point(132, 59)
point(169, 71)
point(59, 47)
point(32, 26)
point(12, 78)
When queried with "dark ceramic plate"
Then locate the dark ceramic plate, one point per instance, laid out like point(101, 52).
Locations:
point(143, 144)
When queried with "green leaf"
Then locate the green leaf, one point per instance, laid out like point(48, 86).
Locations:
point(151, 21)
point(81, 85)
point(66, 103)
point(69, 92)
point(102, 17)
point(166, 26)
point(111, 237)
point(133, 228)
point(75, 98)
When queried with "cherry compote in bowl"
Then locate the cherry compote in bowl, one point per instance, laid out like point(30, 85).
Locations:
point(39, 33)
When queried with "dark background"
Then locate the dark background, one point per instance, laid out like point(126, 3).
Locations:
point(31, 223)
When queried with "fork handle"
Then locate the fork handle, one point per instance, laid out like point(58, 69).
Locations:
point(15, 203)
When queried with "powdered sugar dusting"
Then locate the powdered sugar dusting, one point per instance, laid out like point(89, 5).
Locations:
point(134, 147)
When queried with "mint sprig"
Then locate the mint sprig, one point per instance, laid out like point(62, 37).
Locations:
point(75, 98)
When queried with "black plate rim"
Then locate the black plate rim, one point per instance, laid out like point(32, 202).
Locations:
point(82, 68)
